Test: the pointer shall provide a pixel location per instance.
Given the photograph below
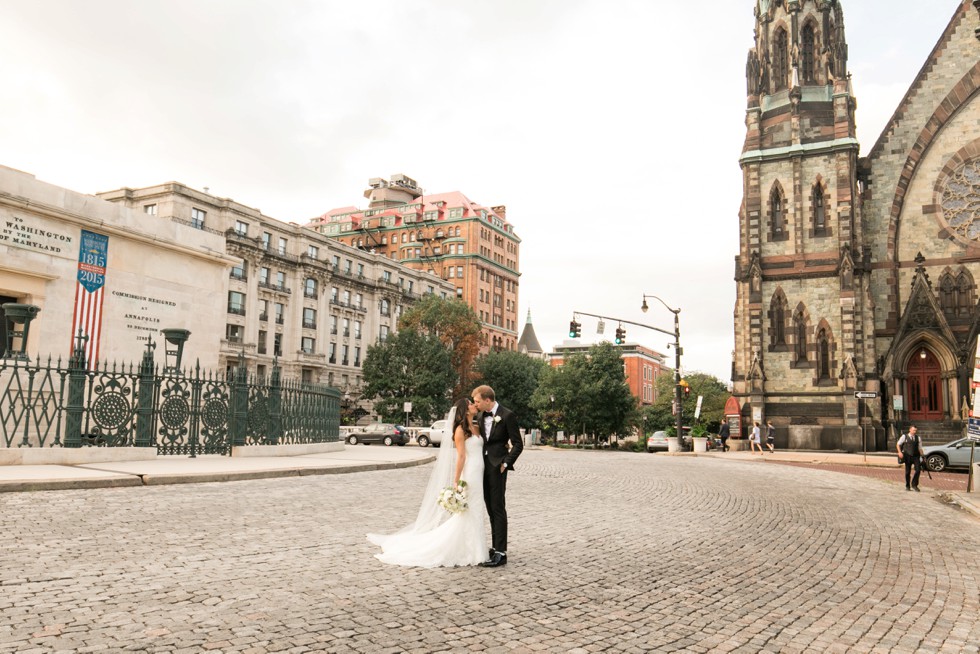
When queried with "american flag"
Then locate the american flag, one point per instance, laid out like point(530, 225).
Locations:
point(89, 293)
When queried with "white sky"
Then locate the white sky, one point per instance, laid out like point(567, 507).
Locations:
point(611, 129)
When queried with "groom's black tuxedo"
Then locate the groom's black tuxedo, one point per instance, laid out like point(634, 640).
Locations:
point(502, 445)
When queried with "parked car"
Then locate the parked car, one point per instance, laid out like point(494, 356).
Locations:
point(379, 432)
point(657, 442)
point(955, 454)
point(433, 434)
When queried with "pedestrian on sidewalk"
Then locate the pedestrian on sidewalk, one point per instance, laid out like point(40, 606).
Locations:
point(910, 453)
point(770, 437)
point(723, 433)
point(756, 439)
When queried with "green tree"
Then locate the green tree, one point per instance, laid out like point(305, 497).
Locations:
point(715, 394)
point(590, 394)
point(514, 378)
point(409, 367)
point(456, 325)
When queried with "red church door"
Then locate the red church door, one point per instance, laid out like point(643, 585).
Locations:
point(925, 387)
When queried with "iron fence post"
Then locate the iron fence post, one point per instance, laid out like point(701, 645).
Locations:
point(76, 393)
point(144, 400)
point(275, 405)
point(239, 403)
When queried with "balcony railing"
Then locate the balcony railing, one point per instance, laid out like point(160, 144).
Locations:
point(236, 309)
point(309, 324)
point(279, 288)
point(240, 275)
point(309, 292)
point(264, 316)
point(280, 320)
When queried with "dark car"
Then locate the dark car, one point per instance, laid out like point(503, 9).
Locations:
point(379, 432)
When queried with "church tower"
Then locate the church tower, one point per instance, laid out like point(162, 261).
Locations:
point(803, 317)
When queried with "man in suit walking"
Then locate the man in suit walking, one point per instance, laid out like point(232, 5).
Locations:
point(502, 444)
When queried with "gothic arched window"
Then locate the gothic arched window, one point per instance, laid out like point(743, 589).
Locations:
point(799, 333)
point(807, 54)
point(778, 309)
point(964, 293)
point(947, 293)
point(780, 57)
point(823, 360)
point(819, 210)
point(777, 217)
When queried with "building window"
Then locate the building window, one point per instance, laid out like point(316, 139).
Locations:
point(308, 345)
point(344, 352)
point(358, 300)
point(819, 211)
point(277, 345)
point(333, 324)
point(336, 262)
point(777, 218)
point(236, 303)
point(347, 266)
point(280, 280)
point(263, 275)
point(280, 313)
point(310, 288)
point(266, 240)
point(150, 209)
point(241, 228)
point(357, 329)
point(263, 309)
point(346, 328)
point(238, 271)
point(197, 218)
point(807, 55)
point(780, 60)
point(385, 308)
point(777, 320)
point(333, 294)
point(360, 270)
point(234, 333)
point(333, 353)
point(263, 337)
point(346, 300)
point(383, 335)
point(799, 333)
point(823, 360)
point(313, 252)
point(309, 318)
point(357, 356)
point(282, 245)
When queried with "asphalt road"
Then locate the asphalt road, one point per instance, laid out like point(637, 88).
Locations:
point(609, 551)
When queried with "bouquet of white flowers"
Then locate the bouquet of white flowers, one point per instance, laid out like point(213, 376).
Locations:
point(453, 498)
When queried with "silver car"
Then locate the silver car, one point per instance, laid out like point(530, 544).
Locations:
point(432, 435)
point(955, 454)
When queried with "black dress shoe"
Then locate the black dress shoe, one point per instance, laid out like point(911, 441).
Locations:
point(491, 553)
point(495, 561)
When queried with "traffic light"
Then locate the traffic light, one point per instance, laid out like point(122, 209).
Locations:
point(620, 336)
point(574, 329)
point(687, 389)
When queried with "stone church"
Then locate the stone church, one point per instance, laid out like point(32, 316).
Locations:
point(856, 273)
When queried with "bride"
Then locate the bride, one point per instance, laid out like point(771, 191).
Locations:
point(433, 540)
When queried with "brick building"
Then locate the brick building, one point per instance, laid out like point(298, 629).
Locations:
point(856, 273)
point(469, 245)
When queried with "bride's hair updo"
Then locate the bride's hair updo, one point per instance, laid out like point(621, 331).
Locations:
point(462, 416)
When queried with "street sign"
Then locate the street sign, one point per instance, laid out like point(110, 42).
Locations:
point(973, 426)
point(865, 395)
point(697, 409)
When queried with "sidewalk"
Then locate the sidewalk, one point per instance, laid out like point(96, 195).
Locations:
point(969, 502)
point(208, 468)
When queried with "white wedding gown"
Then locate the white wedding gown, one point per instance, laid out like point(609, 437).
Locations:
point(460, 540)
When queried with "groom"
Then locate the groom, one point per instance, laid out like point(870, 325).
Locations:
point(502, 444)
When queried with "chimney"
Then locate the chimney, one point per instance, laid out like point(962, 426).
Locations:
point(500, 211)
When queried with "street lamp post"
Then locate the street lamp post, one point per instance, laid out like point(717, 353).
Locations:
point(677, 365)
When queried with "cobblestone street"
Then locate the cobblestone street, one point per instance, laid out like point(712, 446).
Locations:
point(609, 551)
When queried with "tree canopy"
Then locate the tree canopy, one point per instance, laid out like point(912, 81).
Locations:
point(456, 325)
point(409, 367)
point(590, 394)
point(514, 378)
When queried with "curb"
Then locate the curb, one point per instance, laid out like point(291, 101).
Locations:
point(197, 478)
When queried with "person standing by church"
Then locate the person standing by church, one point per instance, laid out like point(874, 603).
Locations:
point(910, 453)
point(723, 433)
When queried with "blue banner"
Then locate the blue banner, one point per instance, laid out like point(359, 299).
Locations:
point(92, 260)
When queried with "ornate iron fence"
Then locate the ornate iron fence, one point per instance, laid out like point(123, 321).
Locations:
point(189, 413)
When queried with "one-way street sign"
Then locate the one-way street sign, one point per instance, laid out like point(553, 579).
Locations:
point(865, 395)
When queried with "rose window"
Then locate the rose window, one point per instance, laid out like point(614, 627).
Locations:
point(960, 201)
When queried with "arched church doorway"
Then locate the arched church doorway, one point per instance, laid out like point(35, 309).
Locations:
point(924, 386)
